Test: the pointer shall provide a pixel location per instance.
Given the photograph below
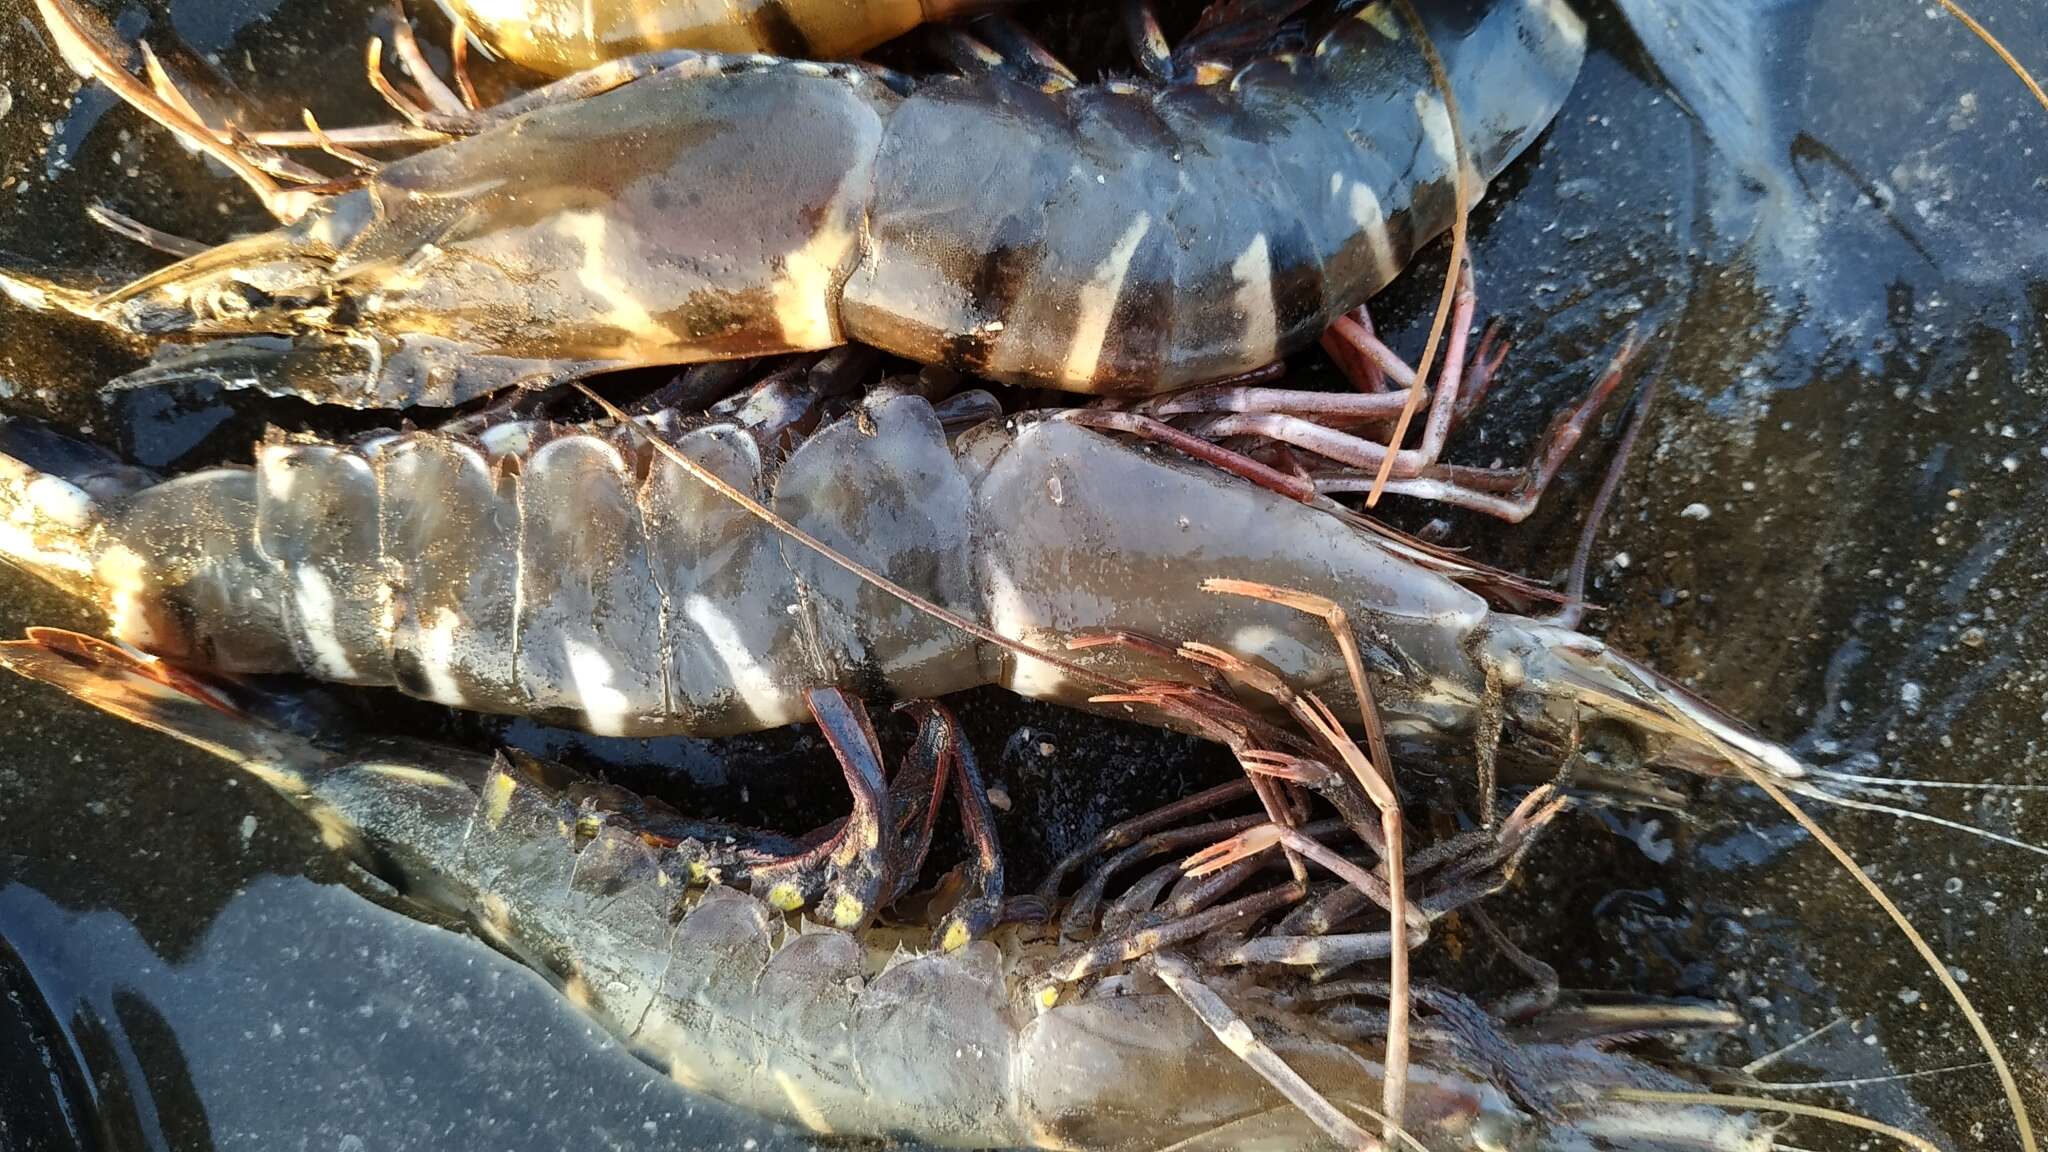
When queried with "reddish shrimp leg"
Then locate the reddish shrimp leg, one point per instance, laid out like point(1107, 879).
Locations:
point(1329, 424)
point(845, 875)
point(873, 856)
point(1510, 494)
point(1313, 422)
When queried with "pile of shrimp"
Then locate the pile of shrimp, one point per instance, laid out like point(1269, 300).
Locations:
point(773, 527)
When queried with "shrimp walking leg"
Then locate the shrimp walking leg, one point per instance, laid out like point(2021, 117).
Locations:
point(981, 901)
point(1508, 493)
point(845, 877)
point(1319, 437)
point(867, 861)
point(89, 56)
point(1023, 56)
point(420, 126)
point(1323, 423)
point(439, 95)
point(1149, 48)
point(1324, 933)
point(1128, 832)
point(1318, 422)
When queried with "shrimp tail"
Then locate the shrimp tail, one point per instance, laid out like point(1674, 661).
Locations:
point(1562, 678)
point(254, 731)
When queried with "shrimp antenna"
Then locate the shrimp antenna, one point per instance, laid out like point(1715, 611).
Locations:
point(1461, 200)
point(1789, 1108)
point(1992, 42)
point(1934, 963)
point(1841, 801)
point(1864, 1081)
point(1910, 783)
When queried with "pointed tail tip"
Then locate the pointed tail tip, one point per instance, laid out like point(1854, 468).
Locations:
point(111, 676)
point(131, 685)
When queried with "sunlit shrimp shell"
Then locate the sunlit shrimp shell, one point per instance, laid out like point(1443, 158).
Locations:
point(863, 1034)
point(1110, 238)
point(585, 577)
point(557, 37)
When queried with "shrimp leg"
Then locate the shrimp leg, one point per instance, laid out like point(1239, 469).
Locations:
point(1318, 437)
point(1149, 48)
point(846, 876)
point(1510, 494)
point(866, 861)
point(1318, 422)
point(1023, 57)
point(981, 903)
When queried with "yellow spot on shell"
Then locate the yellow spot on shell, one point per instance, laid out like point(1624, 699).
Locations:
point(1048, 996)
point(284, 780)
point(848, 911)
point(121, 572)
point(498, 799)
point(1253, 271)
point(955, 938)
point(601, 279)
point(806, 293)
point(335, 832)
point(1095, 302)
point(786, 897)
point(497, 918)
point(412, 775)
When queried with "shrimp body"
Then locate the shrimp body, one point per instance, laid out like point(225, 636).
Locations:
point(1109, 238)
point(576, 574)
point(862, 1033)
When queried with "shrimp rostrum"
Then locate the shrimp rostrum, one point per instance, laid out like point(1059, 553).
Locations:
point(1121, 237)
point(655, 923)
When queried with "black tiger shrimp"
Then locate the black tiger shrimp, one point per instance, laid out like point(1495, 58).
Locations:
point(587, 575)
point(657, 924)
point(1119, 237)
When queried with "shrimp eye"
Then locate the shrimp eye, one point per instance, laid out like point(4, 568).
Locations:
point(226, 302)
point(236, 301)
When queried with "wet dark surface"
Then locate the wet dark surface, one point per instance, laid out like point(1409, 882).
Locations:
point(1830, 529)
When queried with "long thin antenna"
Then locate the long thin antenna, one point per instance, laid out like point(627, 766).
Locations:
point(1912, 934)
point(1767, 1104)
point(2011, 61)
